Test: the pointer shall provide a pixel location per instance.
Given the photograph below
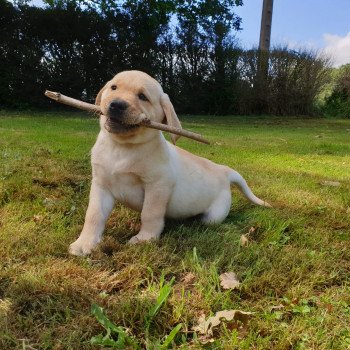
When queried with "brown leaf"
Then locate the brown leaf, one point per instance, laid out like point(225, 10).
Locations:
point(244, 240)
point(251, 230)
point(329, 307)
point(295, 301)
point(206, 327)
point(203, 339)
point(331, 183)
point(37, 218)
point(229, 280)
point(189, 278)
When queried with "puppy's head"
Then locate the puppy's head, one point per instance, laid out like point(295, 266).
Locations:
point(128, 95)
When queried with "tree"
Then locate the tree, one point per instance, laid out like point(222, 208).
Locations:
point(204, 48)
point(338, 103)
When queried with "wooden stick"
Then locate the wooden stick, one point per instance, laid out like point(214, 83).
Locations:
point(144, 121)
point(72, 102)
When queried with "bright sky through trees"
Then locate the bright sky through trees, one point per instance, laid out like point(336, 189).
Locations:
point(302, 23)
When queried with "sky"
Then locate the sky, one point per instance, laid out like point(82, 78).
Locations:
point(322, 25)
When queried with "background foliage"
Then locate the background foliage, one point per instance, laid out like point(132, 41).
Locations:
point(76, 46)
point(337, 102)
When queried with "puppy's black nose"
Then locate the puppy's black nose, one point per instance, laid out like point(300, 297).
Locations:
point(117, 107)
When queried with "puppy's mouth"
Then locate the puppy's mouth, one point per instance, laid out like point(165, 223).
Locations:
point(119, 125)
point(121, 118)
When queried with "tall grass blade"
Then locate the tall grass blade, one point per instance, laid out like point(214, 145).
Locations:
point(171, 336)
point(162, 297)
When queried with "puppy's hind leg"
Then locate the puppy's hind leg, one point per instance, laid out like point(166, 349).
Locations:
point(219, 209)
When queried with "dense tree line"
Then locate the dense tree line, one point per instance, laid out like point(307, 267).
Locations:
point(189, 46)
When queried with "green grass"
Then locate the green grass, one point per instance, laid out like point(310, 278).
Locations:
point(299, 255)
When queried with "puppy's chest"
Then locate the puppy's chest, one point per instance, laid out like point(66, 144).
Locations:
point(117, 174)
point(121, 175)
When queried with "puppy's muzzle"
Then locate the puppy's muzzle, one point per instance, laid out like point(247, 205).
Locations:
point(117, 108)
point(119, 118)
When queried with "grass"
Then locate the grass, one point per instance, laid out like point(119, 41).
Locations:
point(298, 257)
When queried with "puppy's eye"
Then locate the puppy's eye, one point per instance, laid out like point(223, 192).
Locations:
point(142, 97)
point(114, 87)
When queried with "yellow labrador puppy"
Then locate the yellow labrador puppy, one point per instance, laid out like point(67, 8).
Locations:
point(137, 167)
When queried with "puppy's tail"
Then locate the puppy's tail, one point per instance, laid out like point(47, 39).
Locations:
point(238, 180)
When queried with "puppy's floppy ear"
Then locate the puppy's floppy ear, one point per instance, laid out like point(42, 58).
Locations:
point(99, 95)
point(170, 115)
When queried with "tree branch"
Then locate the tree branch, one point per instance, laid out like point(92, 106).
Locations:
point(143, 120)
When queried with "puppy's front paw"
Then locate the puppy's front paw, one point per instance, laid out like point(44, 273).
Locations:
point(142, 238)
point(134, 240)
point(82, 247)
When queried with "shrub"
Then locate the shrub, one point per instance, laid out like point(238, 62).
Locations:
point(338, 103)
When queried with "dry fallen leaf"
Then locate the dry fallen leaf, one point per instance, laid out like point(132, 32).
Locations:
point(244, 240)
point(37, 218)
point(229, 280)
point(251, 230)
point(205, 340)
point(206, 327)
point(331, 183)
point(329, 307)
point(189, 278)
